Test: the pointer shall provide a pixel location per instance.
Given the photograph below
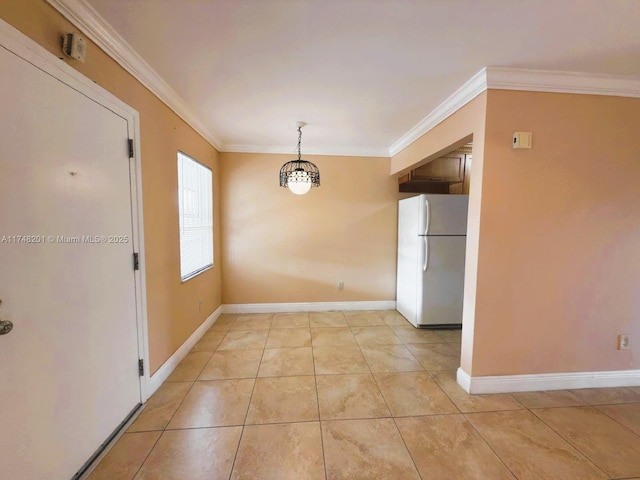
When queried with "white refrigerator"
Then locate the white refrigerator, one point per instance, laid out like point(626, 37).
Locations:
point(432, 233)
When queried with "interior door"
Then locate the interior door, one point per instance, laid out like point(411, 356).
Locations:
point(68, 369)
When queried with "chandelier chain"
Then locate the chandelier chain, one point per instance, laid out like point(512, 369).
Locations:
point(299, 142)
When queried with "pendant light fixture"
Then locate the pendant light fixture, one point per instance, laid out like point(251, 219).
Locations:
point(299, 175)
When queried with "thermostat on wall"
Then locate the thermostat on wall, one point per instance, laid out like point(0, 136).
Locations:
point(522, 140)
point(74, 46)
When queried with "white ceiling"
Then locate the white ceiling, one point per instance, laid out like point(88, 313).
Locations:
point(361, 73)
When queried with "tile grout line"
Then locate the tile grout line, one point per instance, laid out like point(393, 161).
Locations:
point(575, 392)
point(614, 419)
point(445, 393)
point(164, 429)
point(362, 353)
point(179, 405)
point(255, 380)
point(580, 454)
point(486, 442)
point(145, 458)
point(315, 380)
point(465, 412)
point(375, 380)
point(317, 401)
point(395, 424)
point(235, 457)
point(569, 442)
point(414, 357)
point(392, 417)
point(214, 350)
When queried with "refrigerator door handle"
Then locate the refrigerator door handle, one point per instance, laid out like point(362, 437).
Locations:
point(426, 253)
point(427, 213)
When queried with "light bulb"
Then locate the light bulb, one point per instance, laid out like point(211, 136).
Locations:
point(299, 182)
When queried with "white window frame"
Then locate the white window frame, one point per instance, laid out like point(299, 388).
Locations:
point(195, 214)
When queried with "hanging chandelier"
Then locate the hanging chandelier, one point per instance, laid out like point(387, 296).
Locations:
point(299, 175)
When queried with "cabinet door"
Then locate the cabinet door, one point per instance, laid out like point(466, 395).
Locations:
point(444, 169)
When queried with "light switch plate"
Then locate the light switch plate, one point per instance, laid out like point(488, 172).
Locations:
point(522, 140)
point(623, 342)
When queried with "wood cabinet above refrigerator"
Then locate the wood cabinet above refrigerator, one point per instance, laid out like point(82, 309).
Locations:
point(448, 174)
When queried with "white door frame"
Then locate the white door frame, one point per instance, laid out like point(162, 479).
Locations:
point(18, 43)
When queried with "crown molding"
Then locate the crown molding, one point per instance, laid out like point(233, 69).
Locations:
point(89, 21)
point(467, 92)
point(553, 81)
point(289, 150)
point(521, 79)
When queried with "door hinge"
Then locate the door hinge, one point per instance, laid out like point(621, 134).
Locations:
point(141, 367)
point(136, 261)
point(130, 148)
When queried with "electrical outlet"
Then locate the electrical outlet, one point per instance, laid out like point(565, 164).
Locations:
point(623, 342)
point(340, 286)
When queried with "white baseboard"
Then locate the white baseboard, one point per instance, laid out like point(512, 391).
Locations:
point(464, 380)
point(547, 381)
point(307, 307)
point(169, 366)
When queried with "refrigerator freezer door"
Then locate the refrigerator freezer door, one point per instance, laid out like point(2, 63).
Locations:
point(442, 283)
point(443, 214)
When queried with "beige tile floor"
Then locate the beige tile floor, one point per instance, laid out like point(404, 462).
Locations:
point(362, 395)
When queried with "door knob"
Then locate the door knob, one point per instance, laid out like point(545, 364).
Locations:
point(5, 327)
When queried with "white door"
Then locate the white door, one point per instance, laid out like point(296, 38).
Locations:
point(68, 369)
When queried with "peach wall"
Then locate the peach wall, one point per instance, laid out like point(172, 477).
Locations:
point(280, 247)
point(174, 310)
point(558, 275)
point(467, 124)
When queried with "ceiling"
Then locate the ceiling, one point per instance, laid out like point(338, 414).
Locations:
point(361, 73)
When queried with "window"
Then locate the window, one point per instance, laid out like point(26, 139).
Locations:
point(195, 210)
